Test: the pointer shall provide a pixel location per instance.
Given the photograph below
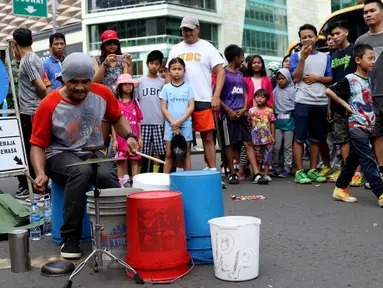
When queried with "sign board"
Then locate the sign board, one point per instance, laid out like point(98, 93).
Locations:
point(34, 8)
point(11, 149)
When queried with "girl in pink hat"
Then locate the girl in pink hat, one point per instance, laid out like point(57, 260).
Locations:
point(132, 112)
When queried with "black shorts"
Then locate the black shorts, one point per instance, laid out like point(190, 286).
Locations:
point(236, 131)
point(340, 129)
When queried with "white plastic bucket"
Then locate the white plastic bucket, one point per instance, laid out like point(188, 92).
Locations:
point(152, 181)
point(112, 217)
point(235, 242)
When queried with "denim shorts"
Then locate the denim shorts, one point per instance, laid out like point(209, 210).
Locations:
point(310, 122)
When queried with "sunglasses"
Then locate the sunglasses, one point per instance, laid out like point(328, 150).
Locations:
point(112, 42)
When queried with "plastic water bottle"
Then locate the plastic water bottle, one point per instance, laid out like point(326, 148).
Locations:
point(47, 226)
point(35, 233)
point(5, 107)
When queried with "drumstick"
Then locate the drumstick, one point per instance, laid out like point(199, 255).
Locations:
point(150, 157)
point(31, 179)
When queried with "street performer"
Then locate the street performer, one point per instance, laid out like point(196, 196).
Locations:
point(68, 120)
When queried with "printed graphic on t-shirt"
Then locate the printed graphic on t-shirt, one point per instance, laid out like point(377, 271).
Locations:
point(260, 123)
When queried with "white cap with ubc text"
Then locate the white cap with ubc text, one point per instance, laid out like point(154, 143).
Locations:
point(189, 22)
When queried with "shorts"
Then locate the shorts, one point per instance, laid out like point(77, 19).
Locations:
point(310, 120)
point(186, 131)
point(236, 131)
point(153, 135)
point(203, 117)
point(126, 155)
point(340, 129)
point(263, 154)
point(378, 130)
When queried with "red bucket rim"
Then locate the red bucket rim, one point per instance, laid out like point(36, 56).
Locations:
point(160, 194)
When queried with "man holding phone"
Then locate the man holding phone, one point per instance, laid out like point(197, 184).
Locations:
point(311, 72)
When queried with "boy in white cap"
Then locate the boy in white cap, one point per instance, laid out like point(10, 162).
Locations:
point(66, 121)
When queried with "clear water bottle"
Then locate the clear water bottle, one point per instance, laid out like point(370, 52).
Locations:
point(47, 226)
point(35, 233)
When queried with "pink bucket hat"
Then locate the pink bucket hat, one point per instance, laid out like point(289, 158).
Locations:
point(126, 78)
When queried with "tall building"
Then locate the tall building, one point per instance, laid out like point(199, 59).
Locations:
point(263, 27)
point(341, 4)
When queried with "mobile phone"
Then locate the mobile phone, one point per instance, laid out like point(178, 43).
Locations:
point(306, 43)
point(120, 57)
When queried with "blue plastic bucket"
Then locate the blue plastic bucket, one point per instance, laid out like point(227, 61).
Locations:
point(57, 216)
point(202, 201)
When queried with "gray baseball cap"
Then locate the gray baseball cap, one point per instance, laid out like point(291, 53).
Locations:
point(77, 65)
point(189, 22)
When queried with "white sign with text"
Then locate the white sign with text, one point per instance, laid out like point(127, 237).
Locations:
point(11, 149)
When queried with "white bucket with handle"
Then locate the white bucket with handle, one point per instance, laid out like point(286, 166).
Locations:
point(152, 181)
point(235, 242)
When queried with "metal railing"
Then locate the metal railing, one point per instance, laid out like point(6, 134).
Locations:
point(143, 41)
point(117, 5)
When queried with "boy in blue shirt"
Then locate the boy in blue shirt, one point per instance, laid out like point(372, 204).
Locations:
point(52, 65)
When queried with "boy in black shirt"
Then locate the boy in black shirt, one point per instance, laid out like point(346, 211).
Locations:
point(342, 64)
point(353, 93)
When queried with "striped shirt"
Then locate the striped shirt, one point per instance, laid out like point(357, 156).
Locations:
point(31, 68)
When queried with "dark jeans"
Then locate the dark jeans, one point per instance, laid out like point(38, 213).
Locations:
point(26, 127)
point(361, 153)
point(77, 181)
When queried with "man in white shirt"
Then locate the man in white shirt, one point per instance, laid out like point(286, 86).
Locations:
point(201, 59)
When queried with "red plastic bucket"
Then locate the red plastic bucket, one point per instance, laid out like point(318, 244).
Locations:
point(156, 235)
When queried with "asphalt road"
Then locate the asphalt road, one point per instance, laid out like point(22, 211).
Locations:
point(307, 240)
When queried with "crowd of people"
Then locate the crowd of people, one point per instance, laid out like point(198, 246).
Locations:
point(312, 102)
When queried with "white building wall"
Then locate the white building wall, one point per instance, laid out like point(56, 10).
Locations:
point(300, 12)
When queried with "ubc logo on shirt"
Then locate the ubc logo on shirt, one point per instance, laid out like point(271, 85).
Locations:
point(189, 56)
point(150, 92)
point(237, 90)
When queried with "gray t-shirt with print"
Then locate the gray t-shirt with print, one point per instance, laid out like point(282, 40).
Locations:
point(31, 68)
point(376, 41)
point(148, 93)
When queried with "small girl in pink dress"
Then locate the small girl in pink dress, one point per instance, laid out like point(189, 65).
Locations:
point(132, 112)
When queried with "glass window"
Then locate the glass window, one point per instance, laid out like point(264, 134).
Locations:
point(148, 30)
point(263, 43)
point(341, 4)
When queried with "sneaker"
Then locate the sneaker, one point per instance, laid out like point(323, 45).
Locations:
point(224, 186)
point(367, 186)
point(196, 149)
point(284, 174)
point(268, 178)
point(259, 179)
point(206, 168)
point(380, 201)
point(273, 172)
point(334, 176)
point(70, 249)
point(342, 195)
point(22, 193)
point(357, 181)
point(301, 177)
point(325, 171)
point(223, 170)
point(38, 198)
point(233, 179)
point(314, 175)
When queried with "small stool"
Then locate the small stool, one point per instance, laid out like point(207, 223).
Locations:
point(57, 195)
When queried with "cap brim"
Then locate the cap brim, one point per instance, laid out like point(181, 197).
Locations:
point(190, 26)
point(113, 38)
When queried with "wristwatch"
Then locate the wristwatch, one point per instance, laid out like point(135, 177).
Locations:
point(131, 135)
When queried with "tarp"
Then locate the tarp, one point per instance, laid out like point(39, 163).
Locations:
point(13, 214)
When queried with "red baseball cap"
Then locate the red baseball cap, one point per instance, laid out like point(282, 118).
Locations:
point(109, 35)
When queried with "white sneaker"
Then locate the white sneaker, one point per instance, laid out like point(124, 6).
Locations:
point(38, 198)
point(206, 168)
point(223, 170)
point(267, 177)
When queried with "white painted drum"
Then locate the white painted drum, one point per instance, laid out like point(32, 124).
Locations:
point(235, 242)
point(152, 181)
